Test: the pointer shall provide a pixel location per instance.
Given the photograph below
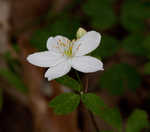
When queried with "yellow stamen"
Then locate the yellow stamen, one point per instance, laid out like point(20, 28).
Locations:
point(66, 48)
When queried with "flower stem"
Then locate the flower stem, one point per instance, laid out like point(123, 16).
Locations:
point(90, 113)
point(86, 85)
point(85, 90)
point(94, 121)
point(78, 77)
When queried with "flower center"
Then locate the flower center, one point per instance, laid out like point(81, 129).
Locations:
point(65, 47)
point(68, 52)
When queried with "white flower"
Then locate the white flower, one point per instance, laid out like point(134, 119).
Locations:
point(63, 54)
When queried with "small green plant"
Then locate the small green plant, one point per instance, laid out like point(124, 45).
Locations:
point(64, 54)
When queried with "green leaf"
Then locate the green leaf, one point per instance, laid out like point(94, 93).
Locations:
point(13, 79)
point(134, 44)
point(1, 98)
point(96, 105)
point(133, 19)
point(65, 103)
point(108, 47)
point(69, 82)
point(101, 13)
point(137, 121)
point(93, 102)
point(119, 77)
point(113, 117)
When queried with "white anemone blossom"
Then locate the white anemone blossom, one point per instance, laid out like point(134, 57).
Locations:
point(63, 54)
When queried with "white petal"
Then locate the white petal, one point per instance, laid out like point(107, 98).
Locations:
point(86, 64)
point(86, 44)
point(45, 59)
point(53, 43)
point(58, 70)
point(62, 39)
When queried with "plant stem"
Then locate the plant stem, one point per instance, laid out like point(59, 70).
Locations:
point(94, 121)
point(78, 77)
point(86, 85)
point(90, 113)
point(85, 90)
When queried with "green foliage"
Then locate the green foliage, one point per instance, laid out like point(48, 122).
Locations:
point(11, 74)
point(69, 82)
point(39, 38)
point(12, 63)
point(13, 79)
point(133, 19)
point(137, 121)
point(65, 26)
point(119, 77)
point(108, 47)
point(61, 26)
point(1, 98)
point(97, 106)
point(93, 103)
point(106, 131)
point(147, 68)
point(16, 48)
point(65, 103)
point(136, 45)
point(146, 44)
point(101, 13)
point(113, 117)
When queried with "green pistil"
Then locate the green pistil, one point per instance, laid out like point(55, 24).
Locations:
point(68, 52)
